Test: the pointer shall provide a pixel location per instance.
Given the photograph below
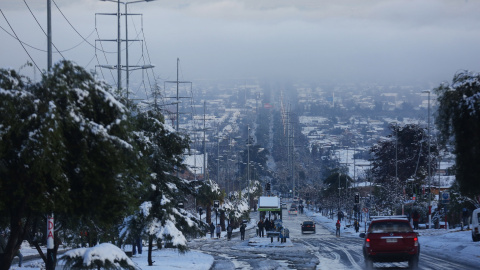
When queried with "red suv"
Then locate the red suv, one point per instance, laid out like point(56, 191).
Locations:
point(390, 239)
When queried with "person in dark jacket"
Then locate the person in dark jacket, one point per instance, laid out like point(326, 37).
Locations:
point(260, 228)
point(415, 218)
point(212, 229)
point(242, 232)
point(229, 231)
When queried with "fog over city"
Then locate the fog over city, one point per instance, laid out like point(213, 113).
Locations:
point(398, 41)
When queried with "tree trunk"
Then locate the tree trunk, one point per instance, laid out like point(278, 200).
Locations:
point(150, 247)
point(222, 220)
point(208, 218)
point(17, 233)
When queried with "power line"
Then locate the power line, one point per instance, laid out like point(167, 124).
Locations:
point(42, 28)
point(75, 28)
point(20, 42)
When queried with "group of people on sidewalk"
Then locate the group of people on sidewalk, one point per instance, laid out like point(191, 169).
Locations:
point(263, 226)
point(218, 230)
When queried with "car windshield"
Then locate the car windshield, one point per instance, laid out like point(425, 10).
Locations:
point(308, 223)
point(293, 209)
point(389, 226)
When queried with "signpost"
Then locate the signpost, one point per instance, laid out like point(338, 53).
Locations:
point(216, 205)
point(50, 243)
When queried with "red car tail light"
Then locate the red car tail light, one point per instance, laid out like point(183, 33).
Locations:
point(367, 242)
point(415, 240)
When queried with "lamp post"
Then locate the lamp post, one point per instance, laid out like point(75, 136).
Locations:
point(429, 164)
point(248, 166)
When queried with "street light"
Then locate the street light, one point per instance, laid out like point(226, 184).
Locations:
point(429, 161)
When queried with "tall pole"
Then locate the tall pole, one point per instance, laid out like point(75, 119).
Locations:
point(127, 76)
point(49, 34)
point(248, 165)
point(50, 264)
point(178, 60)
point(429, 168)
point(204, 146)
point(119, 50)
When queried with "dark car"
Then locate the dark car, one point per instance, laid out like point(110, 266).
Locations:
point(390, 239)
point(308, 226)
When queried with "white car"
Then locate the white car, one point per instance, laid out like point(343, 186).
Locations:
point(476, 225)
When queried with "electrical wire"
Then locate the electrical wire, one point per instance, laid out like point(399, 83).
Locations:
point(24, 1)
point(24, 43)
point(20, 42)
point(85, 40)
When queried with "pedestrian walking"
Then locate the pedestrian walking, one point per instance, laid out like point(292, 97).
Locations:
point(212, 229)
point(218, 230)
point(229, 231)
point(20, 258)
point(357, 226)
point(242, 232)
point(260, 228)
point(337, 225)
point(416, 219)
point(137, 245)
point(465, 215)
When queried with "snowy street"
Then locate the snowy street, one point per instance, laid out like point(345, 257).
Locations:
point(322, 250)
point(440, 249)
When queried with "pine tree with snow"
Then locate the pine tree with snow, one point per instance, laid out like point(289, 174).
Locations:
point(63, 145)
point(159, 216)
point(459, 124)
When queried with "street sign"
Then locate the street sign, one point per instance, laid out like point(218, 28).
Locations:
point(365, 210)
point(216, 204)
point(445, 197)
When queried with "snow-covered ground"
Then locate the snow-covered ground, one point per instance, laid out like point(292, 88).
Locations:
point(163, 259)
point(452, 244)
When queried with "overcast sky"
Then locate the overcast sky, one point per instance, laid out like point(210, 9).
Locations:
point(388, 41)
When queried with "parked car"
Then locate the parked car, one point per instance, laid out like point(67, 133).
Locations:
point(390, 239)
point(284, 205)
point(308, 226)
point(292, 211)
point(476, 225)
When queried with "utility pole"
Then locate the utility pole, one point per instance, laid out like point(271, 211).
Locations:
point(429, 166)
point(248, 166)
point(119, 41)
point(177, 97)
point(50, 264)
point(204, 145)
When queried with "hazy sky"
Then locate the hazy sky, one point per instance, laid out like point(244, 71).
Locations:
point(336, 40)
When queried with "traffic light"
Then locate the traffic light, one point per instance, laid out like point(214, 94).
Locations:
point(267, 187)
point(357, 198)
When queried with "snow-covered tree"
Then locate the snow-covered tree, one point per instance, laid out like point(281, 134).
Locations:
point(403, 153)
point(159, 216)
point(459, 122)
point(62, 150)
